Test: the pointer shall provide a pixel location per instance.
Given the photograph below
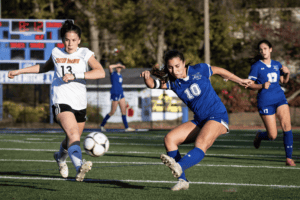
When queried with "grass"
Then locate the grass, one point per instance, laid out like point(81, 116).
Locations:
point(131, 169)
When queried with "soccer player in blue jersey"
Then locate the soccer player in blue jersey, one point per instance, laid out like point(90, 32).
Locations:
point(117, 96)
point(192, 85)
point(271, 102)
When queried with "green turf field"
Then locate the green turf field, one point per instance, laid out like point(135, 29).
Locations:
point(232, 169)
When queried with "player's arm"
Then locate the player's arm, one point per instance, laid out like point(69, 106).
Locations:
point(49, 65)
point(111, 67)
point(151, 83)
point(230, 76)
point(97, 71)
point(255, 86)
point(285, 78)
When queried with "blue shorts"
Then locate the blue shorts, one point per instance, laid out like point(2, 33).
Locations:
point(271, 109)
point(220, 117)
point(116, 97)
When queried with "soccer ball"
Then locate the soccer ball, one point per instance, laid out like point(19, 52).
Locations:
point(96, 144)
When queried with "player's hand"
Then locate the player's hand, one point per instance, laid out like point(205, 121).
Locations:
point(68, 77)
point(12, 74)
point(246, 82)
point(145, 74)
point(285, 70)
point(266, 85)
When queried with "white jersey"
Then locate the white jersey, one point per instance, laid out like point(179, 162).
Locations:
point(72, 93)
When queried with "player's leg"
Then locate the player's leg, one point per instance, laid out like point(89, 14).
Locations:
point(61, 157)
point(69, 124)
point(190, 132)
point(268, 117)
point(208, 134)
point(114, 105)
point(185, 133)
point(86, 165)
point(270, 133)
point(122, 104)
point(283, 114)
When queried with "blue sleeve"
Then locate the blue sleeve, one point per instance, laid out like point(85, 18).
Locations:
point(204, 69)
point(253, 73)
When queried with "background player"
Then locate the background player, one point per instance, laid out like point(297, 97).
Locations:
point(116, 96)
point(193, 87)
point(69, 94)
point(271, 102)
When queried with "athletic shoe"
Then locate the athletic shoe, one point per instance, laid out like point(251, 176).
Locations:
point(290, 162)
point(129, 129)
point(63, 167)
point(85, 167)
point(257, 141)
point(102, 129)
point(172, 164)
point(181, 185)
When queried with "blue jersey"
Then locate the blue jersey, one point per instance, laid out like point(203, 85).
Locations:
point(261, 73)
point(197, 92)
point(116, 80)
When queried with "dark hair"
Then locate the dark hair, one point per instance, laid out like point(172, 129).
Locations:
point(266, 42)
point(69, 26)
point(258, 56)
point(163, 73)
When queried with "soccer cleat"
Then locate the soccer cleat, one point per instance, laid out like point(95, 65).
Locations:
point(85, 167)
point(129, 129)
point(172, 164)
point(181, 185)
point(63, 167)
point(257, 141)
point(102, 129)
point(290, 162)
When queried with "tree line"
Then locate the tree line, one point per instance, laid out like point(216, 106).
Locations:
point(138, 32)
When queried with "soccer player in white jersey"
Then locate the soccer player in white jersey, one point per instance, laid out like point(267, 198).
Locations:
point(266, 75)
point(116, 96)
point(193, 87)
point(69, 94)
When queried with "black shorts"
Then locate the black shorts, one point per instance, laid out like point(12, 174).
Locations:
point(80, 115)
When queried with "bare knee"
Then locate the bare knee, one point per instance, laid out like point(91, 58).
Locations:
point(272, 136)
point(286, 126)
point(170, 143)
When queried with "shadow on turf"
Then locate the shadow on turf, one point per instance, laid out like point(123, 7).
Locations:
point(131, 156)
point(25, 186)
point(255, 159)
point(120, 184)
point(116, 183)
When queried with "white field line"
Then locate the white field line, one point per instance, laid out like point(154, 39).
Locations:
point(149, 144)
point(151, 181)
point(139, 152)
point(151, 163)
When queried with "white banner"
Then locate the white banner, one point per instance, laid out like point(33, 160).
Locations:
point(44, 78)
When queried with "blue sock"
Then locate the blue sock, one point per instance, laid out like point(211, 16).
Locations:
point(288, 143)
point(263, 136)
point(105, 120)
point(176, 155)
point(193, 157)
point(125, 121)
point(75, 155)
